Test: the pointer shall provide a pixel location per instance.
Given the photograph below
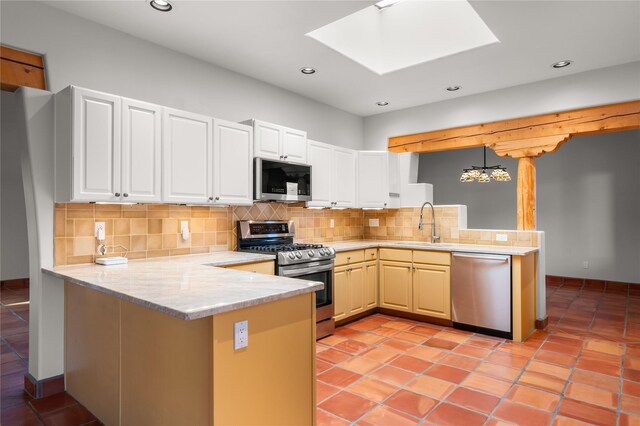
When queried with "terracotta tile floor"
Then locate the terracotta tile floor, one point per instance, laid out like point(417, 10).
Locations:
point(583, 369)
point(16, 407)
point(387, 371)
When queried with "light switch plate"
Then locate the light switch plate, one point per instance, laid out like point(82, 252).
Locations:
point(240, 335)
point(374, 223)
point(501, 237)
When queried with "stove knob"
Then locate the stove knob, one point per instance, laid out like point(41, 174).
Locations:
point(311, 253)
point(291, 255)
point(322, 252)
point(299, 255)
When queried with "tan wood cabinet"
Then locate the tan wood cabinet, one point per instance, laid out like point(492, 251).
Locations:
point(396, 285)
point(355, 283)
point(432, 290)
point(371, 284)
point(348, 290)
point(409, 286)
point(267, 268)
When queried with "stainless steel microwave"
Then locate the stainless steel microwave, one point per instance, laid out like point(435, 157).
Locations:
point(280, 181)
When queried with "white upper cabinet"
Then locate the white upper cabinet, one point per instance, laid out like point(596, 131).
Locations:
point(294, 145)
point(141, 151)
point(278, 143)
point(344, 177)
point(320, 160)
point(373, 179)
point(232, 163)
point(88, 143)
point(187, 157)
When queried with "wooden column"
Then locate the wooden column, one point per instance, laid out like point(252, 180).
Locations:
point(526, 194)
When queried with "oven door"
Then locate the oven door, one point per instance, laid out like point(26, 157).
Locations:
point(314, 271)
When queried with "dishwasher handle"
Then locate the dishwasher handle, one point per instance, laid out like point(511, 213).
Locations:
point(483, 256)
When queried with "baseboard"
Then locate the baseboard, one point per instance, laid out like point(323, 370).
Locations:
point(42, 388)
point(15, 283)
point(416, 317)
point(543, 323)
point(589, 283)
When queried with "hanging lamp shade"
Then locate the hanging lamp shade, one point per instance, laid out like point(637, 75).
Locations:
point(484, 173)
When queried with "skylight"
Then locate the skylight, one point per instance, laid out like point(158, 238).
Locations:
point(405, 34)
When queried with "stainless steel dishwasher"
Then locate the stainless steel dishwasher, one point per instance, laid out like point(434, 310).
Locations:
point(481, 293)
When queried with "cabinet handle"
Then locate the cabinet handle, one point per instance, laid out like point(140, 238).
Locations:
point(286, 156)
point(348, 259)
point(385, 204)
point(217, 198)
point(210, 198)
point(117, 194)
point(125, 195)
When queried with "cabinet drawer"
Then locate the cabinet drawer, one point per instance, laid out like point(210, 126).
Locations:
point(267, 268)
point(371, 254)
point(398, 255)
point(432, 257)
point(348, 257)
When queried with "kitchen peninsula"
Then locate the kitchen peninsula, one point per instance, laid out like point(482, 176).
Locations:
point(152, 342)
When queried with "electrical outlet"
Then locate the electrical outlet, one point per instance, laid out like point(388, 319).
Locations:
point(240, 335)
point(99, 231)
point(585, 264)
point(374, 223)
point(331, 223)
point(501, 237)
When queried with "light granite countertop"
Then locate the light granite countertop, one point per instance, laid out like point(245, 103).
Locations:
point(187, 287)
point(418, 245)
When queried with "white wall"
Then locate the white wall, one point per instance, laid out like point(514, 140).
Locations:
point(87, 54)
point(608, 85)
point(14, 249)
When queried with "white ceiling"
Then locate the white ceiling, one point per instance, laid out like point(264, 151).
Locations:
point(266, 40)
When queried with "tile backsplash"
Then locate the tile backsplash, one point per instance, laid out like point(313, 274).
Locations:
point(153, 230)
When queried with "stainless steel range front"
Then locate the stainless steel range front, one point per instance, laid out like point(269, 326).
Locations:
point(312, 262)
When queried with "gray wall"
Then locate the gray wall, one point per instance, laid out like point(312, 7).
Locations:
point(14, 253)
point(88, 54)
point(588, 202)
point(598, 87)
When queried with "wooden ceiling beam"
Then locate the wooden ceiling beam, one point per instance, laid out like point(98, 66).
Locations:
point(527, 136)
point(19, 68)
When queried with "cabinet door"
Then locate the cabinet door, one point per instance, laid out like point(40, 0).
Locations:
point(340, 293)
point(344, 177)
point(432, 291)
point(395, 286)
point(321, 173)
point(294, 145)
point(232, 163)
point(96, 139)
point(268, 140)
point(357, 289)
point(371, 285)
point(141, 151)
point(373, 179)
point(186, 153)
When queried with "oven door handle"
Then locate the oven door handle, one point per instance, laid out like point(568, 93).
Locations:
point(305, 271)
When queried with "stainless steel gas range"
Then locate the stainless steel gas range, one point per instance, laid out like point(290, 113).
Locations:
point(312, 262)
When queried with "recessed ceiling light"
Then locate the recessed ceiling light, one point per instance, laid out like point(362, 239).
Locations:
point(307, 70)
point(562, 64)
point(453, 88)
point(382, 103)
point(161, 5)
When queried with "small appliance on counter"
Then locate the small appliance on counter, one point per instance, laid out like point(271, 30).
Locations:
point(311, 262)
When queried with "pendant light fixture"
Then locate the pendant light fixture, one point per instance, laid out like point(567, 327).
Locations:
point(481, 173)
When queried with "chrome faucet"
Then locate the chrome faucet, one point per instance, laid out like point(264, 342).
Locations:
point(434, 238)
